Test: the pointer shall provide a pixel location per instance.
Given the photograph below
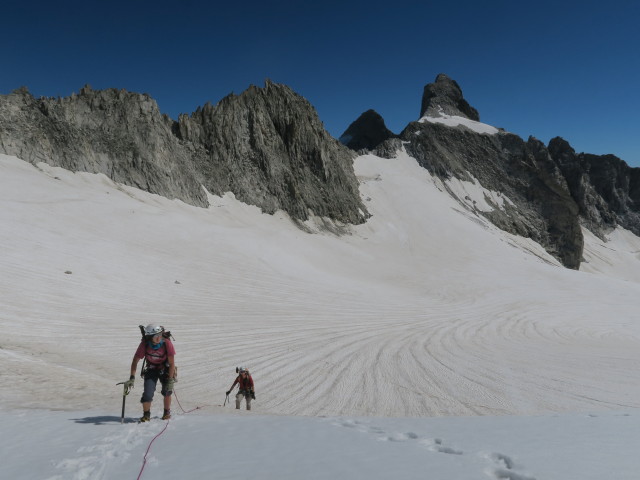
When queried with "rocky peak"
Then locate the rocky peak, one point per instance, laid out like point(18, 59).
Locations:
point(539, 203)
point(268, 146)
point(444, 96)
point(367, 132)
point(561, 151)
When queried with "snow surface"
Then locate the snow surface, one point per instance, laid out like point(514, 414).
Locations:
point(456, 120)
point(424, 342)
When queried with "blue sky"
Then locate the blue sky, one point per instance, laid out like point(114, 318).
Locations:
point(569, 69)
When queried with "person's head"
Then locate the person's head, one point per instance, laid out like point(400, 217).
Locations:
point(153, 333)
point(243, 371)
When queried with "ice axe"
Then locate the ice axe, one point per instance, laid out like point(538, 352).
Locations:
point(125, 392)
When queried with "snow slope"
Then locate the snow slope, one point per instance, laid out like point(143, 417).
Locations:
point(90, 445)
point(424, 311)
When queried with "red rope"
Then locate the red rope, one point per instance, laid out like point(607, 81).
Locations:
point(183, 410)
point(144, 463)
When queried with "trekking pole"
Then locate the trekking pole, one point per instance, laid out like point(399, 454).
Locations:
point(124, 398)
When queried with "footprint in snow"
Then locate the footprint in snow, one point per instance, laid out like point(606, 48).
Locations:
point(435, 445)
point(505, 467)
point(92, 460)
point(398, 437)
point(510, 475)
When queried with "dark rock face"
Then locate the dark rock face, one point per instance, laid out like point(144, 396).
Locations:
point(114, 132)
point(605, 188)
point(445, 96)
point(267, 146)
point(367, 132)
point(554, 190)
point(542, 207)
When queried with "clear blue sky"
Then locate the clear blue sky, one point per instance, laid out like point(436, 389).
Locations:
point(569, 69)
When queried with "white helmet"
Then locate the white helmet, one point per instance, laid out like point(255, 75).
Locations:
point(242, 369)
point(151, 330)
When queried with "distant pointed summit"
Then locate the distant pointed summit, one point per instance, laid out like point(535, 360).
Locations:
point(367, 132)
point(444, 97)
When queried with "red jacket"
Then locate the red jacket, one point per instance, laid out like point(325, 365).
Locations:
point(155, 358)
point(246, 383)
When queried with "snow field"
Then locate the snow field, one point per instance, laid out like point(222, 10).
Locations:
point(419, 312)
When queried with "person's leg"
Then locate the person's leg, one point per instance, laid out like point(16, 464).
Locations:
point(167, 400)
point(239, 398)
point(248, 399)
point(150, 382)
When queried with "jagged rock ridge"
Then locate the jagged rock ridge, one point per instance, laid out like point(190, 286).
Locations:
point(605, 188)
point(554, 190)
point(523, 171)
point(115, 132)
point(267, 146)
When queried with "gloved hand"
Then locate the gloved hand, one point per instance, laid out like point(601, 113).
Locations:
point(228, 392)
point(129, 383)
point(169, 385)
point(253, 395)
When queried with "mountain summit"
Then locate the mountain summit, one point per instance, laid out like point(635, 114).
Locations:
point(444, 96)
point(547, 192)
point(268, 146)
point(367, 132)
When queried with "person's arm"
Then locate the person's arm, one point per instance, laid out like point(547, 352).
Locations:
point(128, 385)
point(172, 366)
point(234, 383)
point(140, 351)
point(134, 365)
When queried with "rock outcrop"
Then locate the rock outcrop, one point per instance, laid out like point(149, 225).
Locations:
point(540, 206)
point(552, 190)
point(270, 149)
point(118, 133)
point(444, 96)
point(605, 188)
point(367, 132)
point(267, 146)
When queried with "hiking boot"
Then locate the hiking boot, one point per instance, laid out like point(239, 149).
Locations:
point(146, 416)
point(167, 415)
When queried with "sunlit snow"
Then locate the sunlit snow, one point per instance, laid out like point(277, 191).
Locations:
point(456, 120)
point(423, 343)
